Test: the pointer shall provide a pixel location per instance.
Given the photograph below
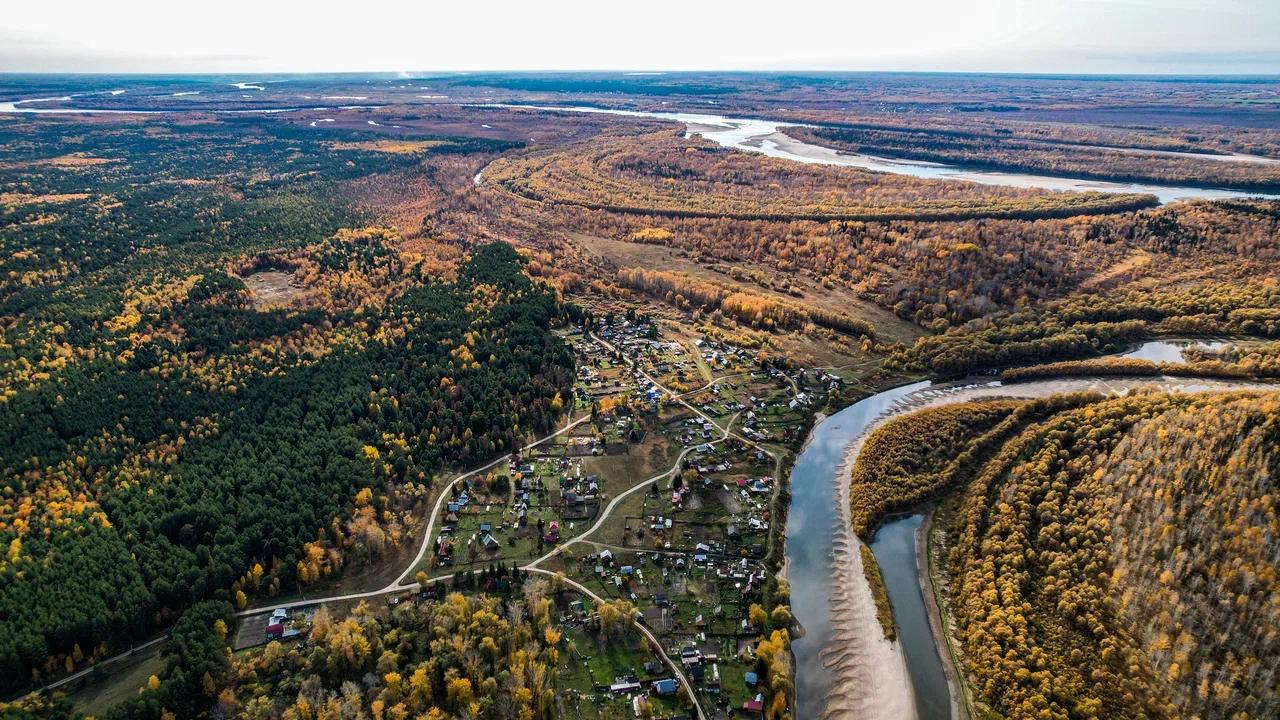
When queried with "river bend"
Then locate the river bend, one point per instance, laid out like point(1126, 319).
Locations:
point(844, 667)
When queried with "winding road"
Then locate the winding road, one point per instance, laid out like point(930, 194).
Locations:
point(399, 585)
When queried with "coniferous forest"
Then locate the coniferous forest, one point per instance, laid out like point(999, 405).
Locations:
point(167, 443)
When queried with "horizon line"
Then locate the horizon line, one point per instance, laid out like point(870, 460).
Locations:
point(653, 72)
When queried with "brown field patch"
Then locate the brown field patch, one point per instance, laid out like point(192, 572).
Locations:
point(13, 200)
point(272, 289)
point(395, 147)
point(1115, 274)
point(72, 160)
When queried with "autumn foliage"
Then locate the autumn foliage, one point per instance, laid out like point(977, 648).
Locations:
point(750, 308)
point(1113, 561)
point(460, 657)
point(663, 174)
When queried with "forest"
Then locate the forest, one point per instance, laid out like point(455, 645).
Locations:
point(459, 657)
point(990, 288)
point(1109, 557)
point(1136, 367)
point(750, 308)
point(1090, 325)
point(906, 461)
point(1097, 549)
point(164, 502)
point(167, 442)
point(490, 656)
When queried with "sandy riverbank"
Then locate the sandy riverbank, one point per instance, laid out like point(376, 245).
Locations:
point(868, 672)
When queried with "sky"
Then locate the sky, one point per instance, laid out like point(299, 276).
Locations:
point(238, 36)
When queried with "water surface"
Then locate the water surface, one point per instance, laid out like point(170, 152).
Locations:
point(894, 546)
point(1171, 350)
point(811, 523)
point(815, 516)
point(764, 137)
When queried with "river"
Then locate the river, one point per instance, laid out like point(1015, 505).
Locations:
point(812, 523)
point(25, 106)
point(1171, 350)
point(895, 549)
point(819, 547)
point(764, 137)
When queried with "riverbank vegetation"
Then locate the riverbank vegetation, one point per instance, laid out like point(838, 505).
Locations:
point(663, 174)
point(1136, 367)
point(1108, 554)
point(1078, 591)
point(1020, 147)
point(902, 462)
point(1254, 359)
point(1096, 324)
point(884, 611)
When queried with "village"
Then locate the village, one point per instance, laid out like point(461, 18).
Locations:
point(683, 439)
point(661, 499)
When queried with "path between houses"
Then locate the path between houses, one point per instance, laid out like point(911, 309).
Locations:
point(399, 585)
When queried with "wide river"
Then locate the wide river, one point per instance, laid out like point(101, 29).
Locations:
point(764, 137)
point(817, 538)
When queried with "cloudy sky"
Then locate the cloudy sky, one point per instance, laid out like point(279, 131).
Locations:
point(1079, 36)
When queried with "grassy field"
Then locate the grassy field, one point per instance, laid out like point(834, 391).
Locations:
point(95, 694)
point(595, 660)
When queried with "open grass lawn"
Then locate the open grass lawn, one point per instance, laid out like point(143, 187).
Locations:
point(619, 473)
point(615, 532)
point(95, 694)
point(595, 660)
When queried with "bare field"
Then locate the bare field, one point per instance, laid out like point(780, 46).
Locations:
point(272, 289)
